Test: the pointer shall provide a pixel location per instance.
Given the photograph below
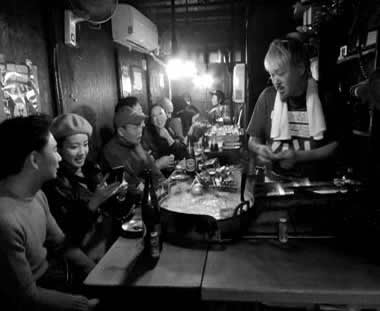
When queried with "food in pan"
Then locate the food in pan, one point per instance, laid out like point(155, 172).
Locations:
point(219, 205)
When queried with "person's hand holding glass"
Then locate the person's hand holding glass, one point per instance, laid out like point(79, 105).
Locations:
point(121, 192)
point(165, 161)
point(104, 191)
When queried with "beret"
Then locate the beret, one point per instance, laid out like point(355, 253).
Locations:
point(128, 115)
point(68, 124)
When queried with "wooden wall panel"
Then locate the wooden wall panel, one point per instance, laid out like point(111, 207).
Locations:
point(87, 75)
point(268, 20)
point(156, 91)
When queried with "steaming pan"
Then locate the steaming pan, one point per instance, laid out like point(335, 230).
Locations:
point(191, 217)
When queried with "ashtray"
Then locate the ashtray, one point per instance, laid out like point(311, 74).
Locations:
point(133, 228)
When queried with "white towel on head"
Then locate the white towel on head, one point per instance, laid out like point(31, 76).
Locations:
point(317, 125)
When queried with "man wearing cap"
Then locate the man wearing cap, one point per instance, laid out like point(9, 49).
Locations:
point(219, 111)
point(125, 148)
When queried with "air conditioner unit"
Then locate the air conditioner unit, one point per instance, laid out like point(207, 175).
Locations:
point(133, 29)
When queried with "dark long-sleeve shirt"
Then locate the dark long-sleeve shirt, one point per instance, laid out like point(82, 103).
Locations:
point(133, 157)
point(69, 196)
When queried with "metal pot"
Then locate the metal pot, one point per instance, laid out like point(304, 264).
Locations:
point(179, 226)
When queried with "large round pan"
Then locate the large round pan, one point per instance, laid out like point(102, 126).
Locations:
point(180, 226)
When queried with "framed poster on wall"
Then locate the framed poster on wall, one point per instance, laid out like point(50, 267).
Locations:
point(125, 81)
point(19, 88)
point(137, 75)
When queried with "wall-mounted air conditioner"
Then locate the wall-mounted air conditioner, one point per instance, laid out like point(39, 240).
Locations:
point(133, 29)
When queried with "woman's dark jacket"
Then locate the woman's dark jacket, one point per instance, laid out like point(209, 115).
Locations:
point(68, 197)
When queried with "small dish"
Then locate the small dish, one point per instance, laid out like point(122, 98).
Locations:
point(133, 228)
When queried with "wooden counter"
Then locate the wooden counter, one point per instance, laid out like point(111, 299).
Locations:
point(300, 272)
point(179, 270)
point(116, 265)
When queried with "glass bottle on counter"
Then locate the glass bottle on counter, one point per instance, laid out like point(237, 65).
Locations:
point(150, 211)
point(283, 230)
point(214, 145)
point(205, 143)
point(190, 159)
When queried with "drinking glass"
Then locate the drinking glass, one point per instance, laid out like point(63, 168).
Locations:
point(121, 194)
point(198, 148)
point(219, 141)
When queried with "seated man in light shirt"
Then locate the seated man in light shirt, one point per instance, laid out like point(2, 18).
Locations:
point(294, 127)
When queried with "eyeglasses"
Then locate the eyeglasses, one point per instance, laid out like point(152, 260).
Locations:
point(134, 126)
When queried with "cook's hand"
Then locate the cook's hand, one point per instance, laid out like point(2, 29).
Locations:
point(165, 161)
point(287, 159)
point(92, 304)
point(265, 155)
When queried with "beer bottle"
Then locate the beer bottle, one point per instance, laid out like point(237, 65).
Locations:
point(150, 211)
point(205, 142)
point(190, 159)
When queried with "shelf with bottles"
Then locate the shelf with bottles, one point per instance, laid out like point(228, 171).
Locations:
point(227, 137)
point(356, 55)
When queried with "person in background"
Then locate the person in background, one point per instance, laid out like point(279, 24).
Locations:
point(125, 149)
point(239, 115)
point(28, 232)
point(190, 106)
point(161, 141)
point(291, 129)
point(187, 98)
point(175, 124)
point(187, 113)
point(219, 111)
point(77, 196)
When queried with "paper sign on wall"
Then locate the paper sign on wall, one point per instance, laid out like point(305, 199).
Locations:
point(20, 90)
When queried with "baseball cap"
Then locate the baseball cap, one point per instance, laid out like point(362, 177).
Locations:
point(128, 115)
